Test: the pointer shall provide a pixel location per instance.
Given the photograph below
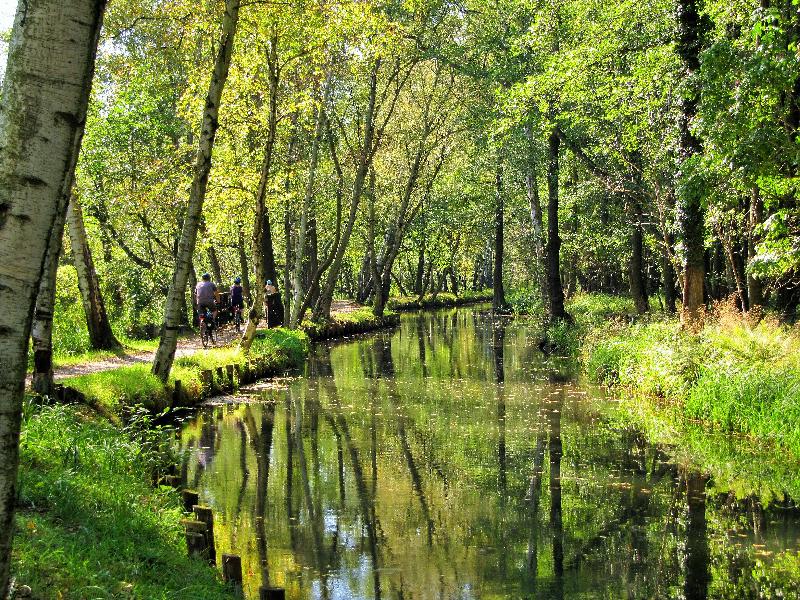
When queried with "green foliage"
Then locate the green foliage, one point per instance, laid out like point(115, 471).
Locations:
point(91, 524)
point(115, 392)
point(440, 300)
point(525, 300)
point(739, 377)
point(346, 323)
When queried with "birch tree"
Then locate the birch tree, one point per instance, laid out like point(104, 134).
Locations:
point(45, 96)
point(176, 298)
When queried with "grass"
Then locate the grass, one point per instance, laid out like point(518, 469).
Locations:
point(356, 321)
point(90, 523)
point(116, 391)
point(441, 300)
point(734, 375)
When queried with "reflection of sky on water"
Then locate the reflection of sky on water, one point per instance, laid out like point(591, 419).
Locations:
point(446, 460)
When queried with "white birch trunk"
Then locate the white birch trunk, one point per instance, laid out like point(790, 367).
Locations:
point(45, 96)
point(165, 355)
point(42, 327)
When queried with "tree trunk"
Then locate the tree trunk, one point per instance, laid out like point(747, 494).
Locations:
point(243, 267)
point(532, 189)
point(366, 154)
point(555, 292)
point(216, 270)
point(300, 252)
point(691, 216)
point(499, 297)
point(755, 289)
point(734, 268)
point(100, 332)
point(420, 274)
point(263, 255)
point(42, 329)
point(668, 275)
point(165, 355)
point(636, 262)
point(45, 95)
point(287, 273)
point(192, 287)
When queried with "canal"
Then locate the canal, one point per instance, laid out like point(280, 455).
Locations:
point(449, 459)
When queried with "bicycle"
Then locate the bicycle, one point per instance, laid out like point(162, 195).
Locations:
point(207, 328)
point(237, 318)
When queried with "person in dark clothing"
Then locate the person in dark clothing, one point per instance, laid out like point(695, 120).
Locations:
point(237, 297)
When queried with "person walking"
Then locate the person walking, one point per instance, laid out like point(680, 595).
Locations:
point(270, 291)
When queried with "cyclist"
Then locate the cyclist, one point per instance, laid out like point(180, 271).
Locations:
point(237, 299)
point(206, 295)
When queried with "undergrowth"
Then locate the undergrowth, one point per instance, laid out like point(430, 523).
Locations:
point(735, 375)
point(90, 523)
point(440, 300)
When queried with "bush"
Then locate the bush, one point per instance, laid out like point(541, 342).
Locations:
point(526, 301)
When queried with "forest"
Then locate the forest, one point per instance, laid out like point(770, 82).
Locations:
point(622, 176)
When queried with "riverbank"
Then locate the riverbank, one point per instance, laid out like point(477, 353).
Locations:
point(93, 514)
point(90, 522)
point(737, 375)
point(193, 377)
point(359, 320)
point(440, 300)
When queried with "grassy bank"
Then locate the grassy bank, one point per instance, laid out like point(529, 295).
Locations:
point(440, 300)
point(737, 375)
point(361, 320)
point(90, 523)
point(116, 391)
point(734, 375)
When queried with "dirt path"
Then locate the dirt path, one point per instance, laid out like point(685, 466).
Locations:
point(226, 336)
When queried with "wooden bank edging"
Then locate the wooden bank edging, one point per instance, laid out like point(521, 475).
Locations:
point(227, 378)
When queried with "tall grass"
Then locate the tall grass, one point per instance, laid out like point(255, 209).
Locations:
point(90, 523)
point(735, 375)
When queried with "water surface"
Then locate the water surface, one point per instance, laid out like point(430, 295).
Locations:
point(449, 459)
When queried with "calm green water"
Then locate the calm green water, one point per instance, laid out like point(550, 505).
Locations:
point(449, 459)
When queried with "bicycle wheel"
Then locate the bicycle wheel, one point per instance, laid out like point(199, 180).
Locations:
point(204, 334)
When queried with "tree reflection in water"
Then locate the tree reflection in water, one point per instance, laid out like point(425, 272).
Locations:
point(450, 460)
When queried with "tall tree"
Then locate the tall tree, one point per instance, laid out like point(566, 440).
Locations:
point(42, 327)
point(45, 96)
point(690, 186)
point(499, 295)
point(176, 298)
point(101, 335)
